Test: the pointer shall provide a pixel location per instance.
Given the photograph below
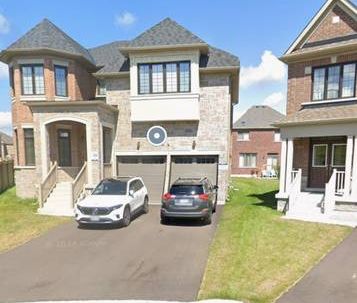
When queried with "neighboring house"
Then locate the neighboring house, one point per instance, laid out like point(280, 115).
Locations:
point(6, 146)
point(256, 143)
point(158, 106)
point(319, 134)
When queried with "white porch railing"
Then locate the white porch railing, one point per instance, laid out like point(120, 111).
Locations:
point(330, 194)
point(340, 182)
point(294, 189)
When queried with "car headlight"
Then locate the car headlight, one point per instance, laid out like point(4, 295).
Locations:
point(78, 207)
point(115, 207)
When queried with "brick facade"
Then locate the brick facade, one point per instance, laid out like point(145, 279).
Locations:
point(261, 142)
point(329, 30)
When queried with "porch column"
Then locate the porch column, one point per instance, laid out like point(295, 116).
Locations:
point(289, 162)
point(354, 170)
point(348, 165)
point(283, 156)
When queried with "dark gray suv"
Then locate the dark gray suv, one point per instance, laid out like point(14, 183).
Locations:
point(190, 198)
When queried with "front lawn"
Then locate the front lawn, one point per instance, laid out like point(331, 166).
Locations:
point(256, 255)
point(19, 222)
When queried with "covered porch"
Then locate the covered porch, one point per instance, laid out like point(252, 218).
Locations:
point(318, 173)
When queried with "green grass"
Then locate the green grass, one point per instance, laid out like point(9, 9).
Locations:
point(19, 222)
point(256, 255)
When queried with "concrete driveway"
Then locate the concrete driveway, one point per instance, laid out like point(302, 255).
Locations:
point(147, 261)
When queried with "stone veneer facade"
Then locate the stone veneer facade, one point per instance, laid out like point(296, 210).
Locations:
point(211, 133)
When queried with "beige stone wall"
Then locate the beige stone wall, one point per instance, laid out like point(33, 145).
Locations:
point(26, 182)
point(210, 134)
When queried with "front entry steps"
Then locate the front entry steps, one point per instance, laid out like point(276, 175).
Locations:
point(308, 208)
point(59, 203)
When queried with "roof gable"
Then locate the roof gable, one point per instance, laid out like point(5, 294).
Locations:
point(46, 35)
point(5, 139)
point(258, 117)
point(166, 32)
point(313, 31)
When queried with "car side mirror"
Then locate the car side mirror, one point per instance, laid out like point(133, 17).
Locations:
point(131, 193)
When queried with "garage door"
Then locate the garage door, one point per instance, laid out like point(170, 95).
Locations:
point(150, 168)
point(194, 166)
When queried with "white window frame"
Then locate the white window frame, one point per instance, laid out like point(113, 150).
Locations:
point(244, 133)
point(313, 155)
point(333, 154)
point(277, 133)
point(241, 164)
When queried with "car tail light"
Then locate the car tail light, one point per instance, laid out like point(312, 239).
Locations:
point(167, 197)
point(203, 197)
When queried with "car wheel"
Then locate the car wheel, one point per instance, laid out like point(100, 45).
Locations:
point(146, 205)
point(208, 219)
point(126, 217)
point(214, 207)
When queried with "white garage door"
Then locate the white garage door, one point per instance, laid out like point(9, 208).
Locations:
point(194, 167)
point(151, 168)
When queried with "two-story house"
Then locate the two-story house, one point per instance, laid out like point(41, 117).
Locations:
point(256, 143)
point(158, 106)
point(319, 146)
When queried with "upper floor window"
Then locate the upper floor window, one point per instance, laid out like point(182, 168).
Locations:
point(61, 81)
point(101, 88)
point(11, 80)
point(334, 82)
point(32, 79)
point(243, 136)
point(277, 137)
point(169, 77)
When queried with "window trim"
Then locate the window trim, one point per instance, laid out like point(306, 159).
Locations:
point(326, 67)
point(250, 167)
point(313, 156)
point(55, 77)
point(164, 77)
point(333, 154)
point(32, 65)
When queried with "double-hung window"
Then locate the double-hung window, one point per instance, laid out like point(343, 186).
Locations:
point(61, 81)
point(171, 77)
point(248, 160)
point(334, 82)
point(32, 79)
point(243, 136)
point(29, 147)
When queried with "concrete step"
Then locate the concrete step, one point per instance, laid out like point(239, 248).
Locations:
point(56, 212)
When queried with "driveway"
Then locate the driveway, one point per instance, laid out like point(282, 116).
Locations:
point(147, 261)
point(334, 279)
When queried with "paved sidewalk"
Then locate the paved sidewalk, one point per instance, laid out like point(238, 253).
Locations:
point(333, 280)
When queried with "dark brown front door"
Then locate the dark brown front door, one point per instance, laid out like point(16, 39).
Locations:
point(64, 148)
point(325, 155)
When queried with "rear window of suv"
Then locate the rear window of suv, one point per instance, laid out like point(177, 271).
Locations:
point(186, 190)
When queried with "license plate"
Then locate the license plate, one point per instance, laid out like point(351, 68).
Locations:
point(95, 219)
point(183, 202)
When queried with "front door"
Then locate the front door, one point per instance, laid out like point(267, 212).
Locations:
point(326, 155)
point(64, 148)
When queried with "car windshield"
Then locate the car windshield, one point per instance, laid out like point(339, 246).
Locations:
point(186, 190)
point(111, 187)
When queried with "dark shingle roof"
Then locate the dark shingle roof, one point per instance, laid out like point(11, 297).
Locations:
point(5, 139)
point(257, 117)
point(110, 57)
point(46, 35)
point(218, 58)
point(166, 32)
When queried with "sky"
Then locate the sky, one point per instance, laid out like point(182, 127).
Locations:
point(256, 31)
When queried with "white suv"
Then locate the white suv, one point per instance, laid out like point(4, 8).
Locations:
point(113, 201)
